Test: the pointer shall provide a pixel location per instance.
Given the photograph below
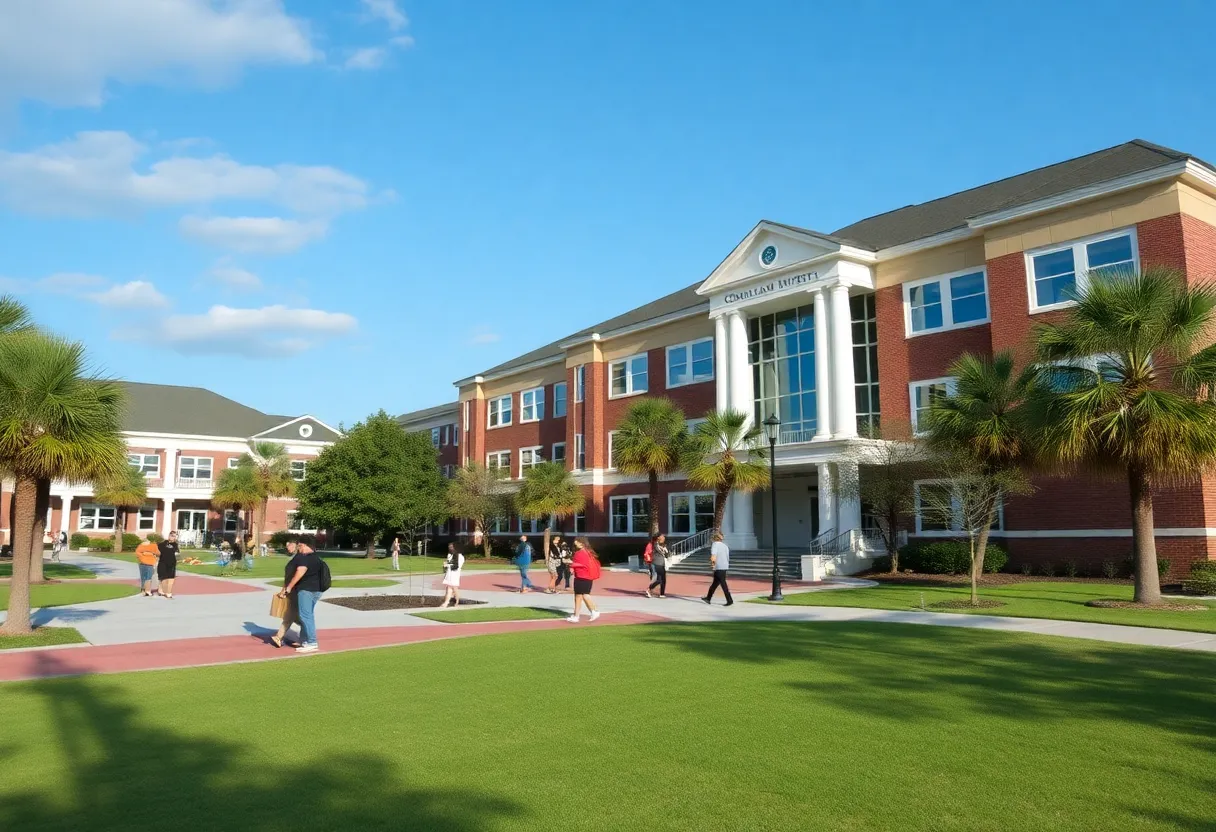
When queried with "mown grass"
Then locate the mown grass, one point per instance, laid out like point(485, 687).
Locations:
point(57, 571)
point(43, 637)
point(58, 595)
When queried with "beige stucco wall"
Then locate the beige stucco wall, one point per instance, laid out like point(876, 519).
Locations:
point(584, 354)
point(688, 329)
point(953, 257)
point(526, 380)
point(1197, 203)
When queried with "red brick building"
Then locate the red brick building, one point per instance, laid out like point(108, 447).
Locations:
point(838, 332)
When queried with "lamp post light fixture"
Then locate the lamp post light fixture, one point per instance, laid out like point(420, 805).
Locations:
point(772, 429)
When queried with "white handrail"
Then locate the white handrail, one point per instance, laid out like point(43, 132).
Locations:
point(678, 552)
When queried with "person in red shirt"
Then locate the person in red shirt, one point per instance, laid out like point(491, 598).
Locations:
point(586, 568)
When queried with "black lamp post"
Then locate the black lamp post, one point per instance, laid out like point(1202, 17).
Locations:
point(772, 428)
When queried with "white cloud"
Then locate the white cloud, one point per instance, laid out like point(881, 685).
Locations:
point(371, 57)
point(388, 11)
point(484, 335)
point(137, 294)
point(402, 41)
point(66, 52)
point(96, 173)
point(68, 283)
point(253, 235)
point(234, 277)
point(268, 332)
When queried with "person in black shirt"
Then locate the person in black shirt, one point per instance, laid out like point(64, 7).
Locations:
point(302, 583)
point(166, 565)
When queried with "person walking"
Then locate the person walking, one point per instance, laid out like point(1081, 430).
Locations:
point(648, 558)
point(146, 554)
point(523, 559)
point(292, 614)
point(304, 583)
point(659, 558)
point(719, 559)
point(396, 550)
point(553, 560)
point(61, 544)
point(166, 565)
point(586, 568)
point(564, 574)
point(451, 576)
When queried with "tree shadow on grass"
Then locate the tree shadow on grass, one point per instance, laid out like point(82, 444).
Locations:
point(124, 773)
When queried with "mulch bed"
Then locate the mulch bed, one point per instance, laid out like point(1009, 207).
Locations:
point(985, 603)
point(1113, 604)
point(987, 579)
point(393, 602)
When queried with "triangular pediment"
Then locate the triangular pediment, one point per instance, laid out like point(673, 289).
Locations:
point(769, 247)
point(301, 428)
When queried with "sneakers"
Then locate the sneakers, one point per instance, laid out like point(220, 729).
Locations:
point(595, 615)
point(648, 595)
point(307, 648)
point(730, 603)
point(706, 600)
point(573, 619)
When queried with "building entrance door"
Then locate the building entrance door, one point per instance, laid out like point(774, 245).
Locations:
point(191, 526)
point(797, 513)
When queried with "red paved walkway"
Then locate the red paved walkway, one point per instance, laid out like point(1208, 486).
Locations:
point(618, 583)
point(197, 652)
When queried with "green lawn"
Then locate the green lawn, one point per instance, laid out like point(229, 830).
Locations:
point(273, 566)
point(58, 595)
point(726, 726)
point(43, 637)
point(353, 583)
point(1064, 601)
point(473, 614)
point(51, 570)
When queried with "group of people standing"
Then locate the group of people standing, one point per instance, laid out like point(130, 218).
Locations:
point(157, 560)
point(657, 558)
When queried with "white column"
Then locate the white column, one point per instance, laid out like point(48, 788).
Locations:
point(848, 510)
point(741, 398)
point(823, 374)
point(827, 497)
point(742, 534)
point(170, 472)
point(844, 394)
point(167, 523)
point(721, 363)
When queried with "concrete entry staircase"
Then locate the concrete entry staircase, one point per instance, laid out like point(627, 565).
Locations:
point(747, 563)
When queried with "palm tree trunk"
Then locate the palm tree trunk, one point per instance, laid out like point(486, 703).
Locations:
point(259, 528)
point(1148, 580)
point(119, 522)
point(654, 504)
point(548, 532)
point(721, 493)
point(25, 494)
point(240, 533)
point(979, 545)
point(42, 507)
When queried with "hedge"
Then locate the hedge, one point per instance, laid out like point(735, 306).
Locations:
point(946, 557)
point(79, 540)
point(1202, 579)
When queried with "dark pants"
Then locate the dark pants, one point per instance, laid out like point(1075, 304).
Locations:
point(650, 568)
point(719, 581)
point(563, 574)
point(660, 580)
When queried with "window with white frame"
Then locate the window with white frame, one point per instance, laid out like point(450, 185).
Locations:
point(449, 471)
point(947, 302)
point(500, 525)
point(580, 523)
point(559, 400)
point(627, 376)
point(690, 363)
point(1058, 273)
point(580, 382)
point(455, 434)
point(234, 461)
point(690, 513)
point(611, 454)
point(530, 458)
point(499, 461)
point(435, 437)
point(923, 394)
point(559, 452)
point(532, 405)
point(231, 516)
point(939, 509)
point(146, 521)
point(580, 453)
point(500, 411)
point(691, 425)
point(629, 515)
point(531, 526)
point(146, 464)
point(299, 468)
point(97, 518)
point(194, 468)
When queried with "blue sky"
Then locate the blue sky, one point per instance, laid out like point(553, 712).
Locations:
point(333, 206)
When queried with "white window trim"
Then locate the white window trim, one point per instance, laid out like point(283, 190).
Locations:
point(631, 532)
point(1080, 262)
point(235, 515)
point(580, 449)
point(501, 423)
point(629, 376)
point(291, 516)
point(303, 463)
point(951, 386)
point(688, 345)
point(956, 524)
point(692, 497)
point(436, 437)
point(553, 452)
point(139, 519)
point(234, 461)
point(181, 463)
point(580, 382)
point(565, 399)
point(498, 454)
point(611, 462)
point(947, 307)
point(150, 475)
point(537, 413)
point(536, 451)
point(96, 516)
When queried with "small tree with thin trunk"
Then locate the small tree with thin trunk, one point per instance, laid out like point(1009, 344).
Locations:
point(549, 490)
point(126, 491)
point(272, 468)
point(884, 479)
point(648, 442)
point(481, 496)
point(726, 452)
point(238, 489)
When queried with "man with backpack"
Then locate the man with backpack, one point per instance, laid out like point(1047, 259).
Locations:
point(309, 578)
point(523, 559)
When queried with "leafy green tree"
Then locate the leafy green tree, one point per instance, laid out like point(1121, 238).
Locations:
point(239, 490)
point(57, 421)
point(648, 442)
point(727, 453)
point(982, 436)
point(271, 468)
point(1130, 390)
point(481, 496)
point(376, 479)
point(884, 479)
point(549, 490)
point(126, 491)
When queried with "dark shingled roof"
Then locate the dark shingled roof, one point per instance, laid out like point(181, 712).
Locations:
point(427, 413)
point(166, 408)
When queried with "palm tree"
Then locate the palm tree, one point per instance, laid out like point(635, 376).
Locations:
point(272, 470)
point(1132, 391)
point(479, 494)
point(57, 421)
point(128, 490)
point(238, 489)
point(981, 433)
point(648, 442)
point(726, 453)
point(549, 490)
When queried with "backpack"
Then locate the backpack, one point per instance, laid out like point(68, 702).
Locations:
point(593, 568)
point(323, 575)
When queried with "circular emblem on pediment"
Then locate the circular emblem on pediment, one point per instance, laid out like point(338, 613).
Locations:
point(305, 431)
point(768, 256)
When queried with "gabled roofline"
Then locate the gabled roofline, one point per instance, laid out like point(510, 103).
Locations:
point(293, 421)
point(642, 326)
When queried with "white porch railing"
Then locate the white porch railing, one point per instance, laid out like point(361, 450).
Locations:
point(794, 437)
point(194, 482)
point(677, 552)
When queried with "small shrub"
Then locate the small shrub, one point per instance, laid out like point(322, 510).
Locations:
point(101, 544)
point(1047, 569)
point(948, 557)
point(1027, 569)
point(1163, 567)
point(1070, 569)
point(79, 540)
point(1202, 579)
point(130, 541)
point(153, 537)
point(881, 564)
point(1110, 569)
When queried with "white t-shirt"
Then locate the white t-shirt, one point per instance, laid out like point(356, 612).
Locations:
point(721, 554)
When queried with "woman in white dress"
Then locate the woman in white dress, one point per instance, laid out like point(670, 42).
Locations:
point(451, 576)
